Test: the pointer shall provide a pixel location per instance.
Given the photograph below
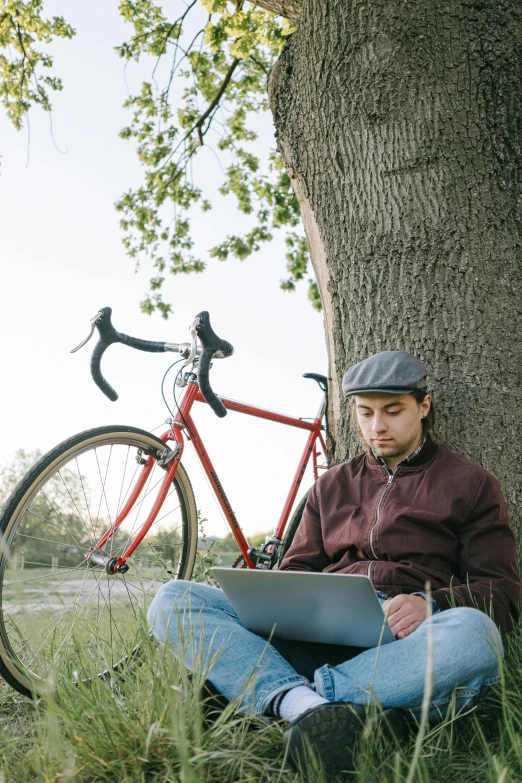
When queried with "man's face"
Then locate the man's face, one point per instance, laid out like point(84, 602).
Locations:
point(391, 423)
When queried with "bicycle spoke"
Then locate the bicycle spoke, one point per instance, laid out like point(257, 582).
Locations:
point(78, 593)
point(70, 630)
point(129, 488)
point(172, 511)
point(129, 594)
point(142, 551)
point(103, 496)
point(60, 518)
point(47, 626)
point(119, 504)
point(156, 521)
point(39, 538)
point(74, 504)
point(137, 587)
point(139, 505)
point(32, 579)
point(69, 634)
point(47, 565)
point(110, 631)
point(80, 477)
point(54, 586)
point(45, 519)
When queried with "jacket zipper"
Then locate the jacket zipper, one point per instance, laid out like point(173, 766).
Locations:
point(386, 488)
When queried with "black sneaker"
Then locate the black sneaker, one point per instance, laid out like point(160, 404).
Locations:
point(212, 702)
point(331, 732)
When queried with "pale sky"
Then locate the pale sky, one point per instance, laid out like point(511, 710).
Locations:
point(61, 259)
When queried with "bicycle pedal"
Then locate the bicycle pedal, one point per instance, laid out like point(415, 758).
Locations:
point(259, 558)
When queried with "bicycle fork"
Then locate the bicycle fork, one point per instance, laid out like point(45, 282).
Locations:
point(169, 460)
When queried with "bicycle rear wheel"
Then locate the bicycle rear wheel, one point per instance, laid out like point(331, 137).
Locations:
point(56, 605)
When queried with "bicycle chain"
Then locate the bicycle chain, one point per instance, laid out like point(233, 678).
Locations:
point(237, 561)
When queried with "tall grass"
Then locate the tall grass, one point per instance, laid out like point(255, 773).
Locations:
point(148, 725)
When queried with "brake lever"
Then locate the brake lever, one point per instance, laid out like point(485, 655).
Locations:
point(193, 342)
point(93, 326)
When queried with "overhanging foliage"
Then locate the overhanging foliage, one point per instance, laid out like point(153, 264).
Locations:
point(208, 84)
point(23, 77)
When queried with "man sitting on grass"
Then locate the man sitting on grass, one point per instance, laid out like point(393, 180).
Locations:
point(407, 512)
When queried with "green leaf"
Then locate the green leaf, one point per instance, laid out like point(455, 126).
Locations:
point(214, 6)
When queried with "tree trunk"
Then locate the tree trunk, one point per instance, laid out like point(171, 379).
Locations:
point(400, 122)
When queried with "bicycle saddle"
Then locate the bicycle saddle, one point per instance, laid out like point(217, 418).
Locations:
point(322, 380)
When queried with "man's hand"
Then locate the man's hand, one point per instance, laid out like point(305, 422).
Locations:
point(405, 613)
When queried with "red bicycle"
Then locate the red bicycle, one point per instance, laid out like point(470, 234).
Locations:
point(107, 516)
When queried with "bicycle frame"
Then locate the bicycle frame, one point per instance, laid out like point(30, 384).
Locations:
point(183, 425)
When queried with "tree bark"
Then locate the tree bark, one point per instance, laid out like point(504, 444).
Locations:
point(400, 123)
point(288, 8)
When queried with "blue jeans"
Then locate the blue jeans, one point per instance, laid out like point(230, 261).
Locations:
point(199, 624)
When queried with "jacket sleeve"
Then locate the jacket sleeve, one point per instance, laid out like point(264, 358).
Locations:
point(487, 559)
point(306, 552)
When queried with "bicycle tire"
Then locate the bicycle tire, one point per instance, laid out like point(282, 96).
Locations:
point(61, 518)
point(291, 529)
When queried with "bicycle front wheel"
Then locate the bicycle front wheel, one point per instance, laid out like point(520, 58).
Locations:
point(57, 604)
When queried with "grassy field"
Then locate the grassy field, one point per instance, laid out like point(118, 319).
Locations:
point(147, 726)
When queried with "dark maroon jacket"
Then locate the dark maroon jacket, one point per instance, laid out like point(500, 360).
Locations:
point(440, 519)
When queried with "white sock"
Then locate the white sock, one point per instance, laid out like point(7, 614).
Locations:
point(298, 700)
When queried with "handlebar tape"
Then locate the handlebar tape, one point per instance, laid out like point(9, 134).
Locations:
point(109, 335)
point(97, 375)
point(211, 344)
point(204, 384)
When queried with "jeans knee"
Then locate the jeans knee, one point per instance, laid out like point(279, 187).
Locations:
point(475, 637)
point(479, 624)
point(179, 595)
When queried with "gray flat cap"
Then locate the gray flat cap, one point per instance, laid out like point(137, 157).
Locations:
point(392, 372)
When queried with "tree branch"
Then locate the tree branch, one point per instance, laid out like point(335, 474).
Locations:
point(287, 8)
point(199, 124)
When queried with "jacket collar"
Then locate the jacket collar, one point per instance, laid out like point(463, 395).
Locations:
point(421, 456)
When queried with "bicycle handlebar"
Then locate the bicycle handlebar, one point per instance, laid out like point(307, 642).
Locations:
point(211, 343)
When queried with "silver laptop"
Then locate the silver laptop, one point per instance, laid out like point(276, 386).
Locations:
point(308, 606)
